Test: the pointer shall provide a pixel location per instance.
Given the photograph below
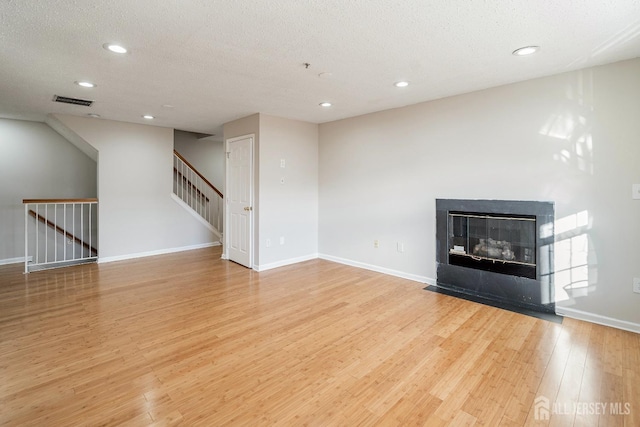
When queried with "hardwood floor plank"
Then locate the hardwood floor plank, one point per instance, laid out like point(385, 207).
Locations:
point(189, 339)
point(631, 379)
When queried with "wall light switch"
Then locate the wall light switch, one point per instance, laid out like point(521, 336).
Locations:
point(635, 191)
point(282, 240)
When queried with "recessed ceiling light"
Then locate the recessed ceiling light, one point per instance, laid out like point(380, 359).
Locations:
point(86, 84)
point(94, 115)
point(325, 104)
point(148, 117)
point(401, 84)
point(167, 106)
point(116, 48)
point(527, 50)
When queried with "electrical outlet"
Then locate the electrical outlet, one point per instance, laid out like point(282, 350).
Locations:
point(283, 163)
point(376, 244)
point(268, 243)
point(282, 240)
point(400, 247)
point(636, 285)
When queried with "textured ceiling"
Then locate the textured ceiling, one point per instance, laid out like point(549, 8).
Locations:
point(216, 61)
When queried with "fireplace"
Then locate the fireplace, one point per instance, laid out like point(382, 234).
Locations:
point(493, 242)
point(500, 250)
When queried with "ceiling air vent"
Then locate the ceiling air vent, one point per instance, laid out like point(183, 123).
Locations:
point(74, 101)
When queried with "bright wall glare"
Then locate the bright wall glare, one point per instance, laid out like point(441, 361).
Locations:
point(571, 257)
point(571, 222)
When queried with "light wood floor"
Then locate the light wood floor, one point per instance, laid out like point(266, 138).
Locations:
point(190, 339)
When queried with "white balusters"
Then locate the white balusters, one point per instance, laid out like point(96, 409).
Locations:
point(198, 193)
point(59, 232)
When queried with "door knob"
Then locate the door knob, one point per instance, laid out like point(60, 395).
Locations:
point(248, 208)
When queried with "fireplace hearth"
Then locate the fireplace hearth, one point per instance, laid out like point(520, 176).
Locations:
point(501, 250)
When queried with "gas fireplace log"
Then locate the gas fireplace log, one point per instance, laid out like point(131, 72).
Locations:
point(498, 249)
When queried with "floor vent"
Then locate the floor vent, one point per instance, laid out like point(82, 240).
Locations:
point(74, 101)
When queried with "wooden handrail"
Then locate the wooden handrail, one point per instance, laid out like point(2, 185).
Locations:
point(51, 201)
point(190, 184)
point(62, 231)
point(198, 173)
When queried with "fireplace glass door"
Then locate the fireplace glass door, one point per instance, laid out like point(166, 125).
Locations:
point(499, 243)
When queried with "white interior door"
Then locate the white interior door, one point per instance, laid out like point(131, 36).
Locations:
point(240, 200)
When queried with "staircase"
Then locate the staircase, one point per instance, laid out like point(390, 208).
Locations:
point(197, 194)
point(62, 232)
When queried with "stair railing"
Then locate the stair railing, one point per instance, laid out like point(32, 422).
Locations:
point(59, 232)
point(197, 192)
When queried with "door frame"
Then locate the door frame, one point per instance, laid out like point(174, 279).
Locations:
point(226, 212)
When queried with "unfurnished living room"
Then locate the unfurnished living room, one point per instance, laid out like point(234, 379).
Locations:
point(320, 213)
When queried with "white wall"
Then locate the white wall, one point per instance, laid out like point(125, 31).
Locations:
point(36, 162)
point(289, 210)
point(573, 139)
point(137, 215)
point(205, 154)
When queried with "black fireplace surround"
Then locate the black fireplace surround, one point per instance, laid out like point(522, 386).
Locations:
point(499, 250)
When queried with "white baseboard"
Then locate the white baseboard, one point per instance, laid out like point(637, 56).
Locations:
point(103, 260)
point(289, 261)
point(384, 270)
point(432, 282)
point(596, 318)
point(19, 260)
